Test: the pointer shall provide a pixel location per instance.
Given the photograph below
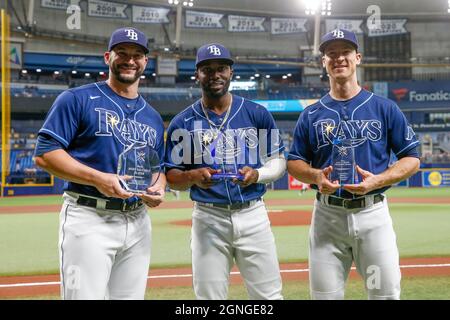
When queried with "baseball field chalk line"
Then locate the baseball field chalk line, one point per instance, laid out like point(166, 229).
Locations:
point(53, 283)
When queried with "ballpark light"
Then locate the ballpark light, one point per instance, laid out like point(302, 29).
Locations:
point(284, 77)
point(101, 73)
point(74, 71)
point(24, 71)
point(192, 78)
point(267, 76)
point(252, 78)
point(326, 7)
point(238, 77)
point(154, 74)
point(87, 74)
point(56, 72)
point(256, 75)
point(38, 70)
point(142, 77)
point(289, 74)
point(313, 6)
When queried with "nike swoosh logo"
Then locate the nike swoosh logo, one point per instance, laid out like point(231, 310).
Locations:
point(93, 97)
point(187, 119)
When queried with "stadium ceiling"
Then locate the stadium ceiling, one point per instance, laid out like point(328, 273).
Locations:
point(344, 8)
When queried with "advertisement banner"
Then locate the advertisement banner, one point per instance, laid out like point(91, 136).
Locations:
point(436, 178)
point(420, 93)
point(286, 105)
point(294, 184)
point(106, 9)
point(207, 20)
point(245, 24)
point(149, 14)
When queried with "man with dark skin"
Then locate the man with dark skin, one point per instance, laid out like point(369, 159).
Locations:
point(229, 222)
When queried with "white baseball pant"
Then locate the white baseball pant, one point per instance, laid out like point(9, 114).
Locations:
point(221, 237)
point(103, 254)
point(339, 236)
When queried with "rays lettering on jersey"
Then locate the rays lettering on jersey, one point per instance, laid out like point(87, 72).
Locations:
point(126, 131)
point(360, 130)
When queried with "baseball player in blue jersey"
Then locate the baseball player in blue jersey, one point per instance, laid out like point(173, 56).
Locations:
point(351, 220)
point(225, 133)
point(105, 232)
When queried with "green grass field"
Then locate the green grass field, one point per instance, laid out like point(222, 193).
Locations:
point(28, 242)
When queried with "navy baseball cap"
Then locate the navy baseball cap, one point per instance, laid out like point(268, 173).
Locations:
point(213, 51)
point(128, 35)
point(338, 34)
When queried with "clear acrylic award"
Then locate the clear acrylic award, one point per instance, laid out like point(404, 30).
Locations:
point(343, 162)
point(138, 168)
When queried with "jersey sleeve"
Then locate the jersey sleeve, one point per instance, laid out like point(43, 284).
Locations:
point(63, 119)
point(177, 137)
point(402, 138)
point(274, 145)
point(46, 143)
point(300, 143)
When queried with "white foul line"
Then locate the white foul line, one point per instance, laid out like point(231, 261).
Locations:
point(53, 283)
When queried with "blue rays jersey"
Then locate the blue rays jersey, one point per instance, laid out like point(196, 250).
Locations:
point(94, 125)
point(373, 124)
point(246, 137)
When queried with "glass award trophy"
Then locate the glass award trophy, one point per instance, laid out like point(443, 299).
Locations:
point(138, 168)
point(229, 172)
point(224, 159)
point(343, 162)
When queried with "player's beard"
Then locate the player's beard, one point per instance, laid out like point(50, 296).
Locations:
point(128, 79)
point(212, 93)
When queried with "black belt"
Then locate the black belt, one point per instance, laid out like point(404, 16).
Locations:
point(356, 203)
point(233, 206)
point(110, 204)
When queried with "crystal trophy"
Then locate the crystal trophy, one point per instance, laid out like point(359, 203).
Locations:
point(138, 168)
point(225, 159)
point(343, 162)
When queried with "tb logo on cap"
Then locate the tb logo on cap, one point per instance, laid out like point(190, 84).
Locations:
point(131, 34)
point(214, 50)
point(338, 33)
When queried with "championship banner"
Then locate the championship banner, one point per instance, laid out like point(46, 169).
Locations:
point(195, 19)
point(287, 25)
point(350, 25)
point(166, 66)
point(389, 27)
point(245, 24)
point(59, 4)
point(150, 14)
point(16, 55)
point(106, 9)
